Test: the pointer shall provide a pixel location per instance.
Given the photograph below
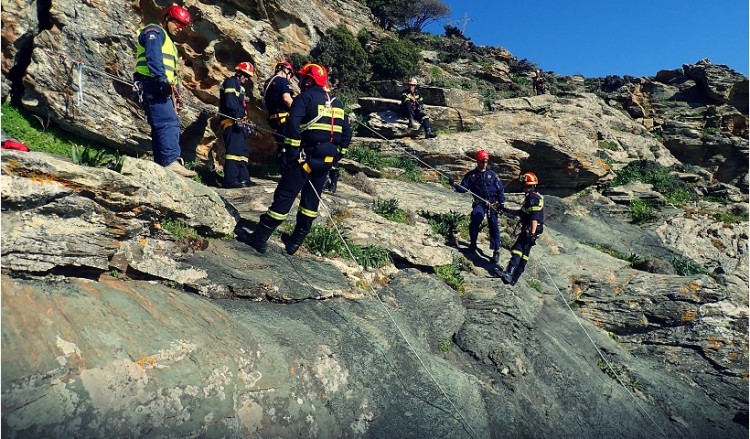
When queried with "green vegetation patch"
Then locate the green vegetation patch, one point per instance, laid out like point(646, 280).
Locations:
point(451, 274)
point(327, 242)
point(446, 224)
point(389, 209)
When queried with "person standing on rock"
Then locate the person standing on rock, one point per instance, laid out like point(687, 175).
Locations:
point(489, 196)
point(531, 216)
point(236, 128)
point(538, 83)
point(316, 131)
point(157, 83)
point(278, 95)
point(413, 108)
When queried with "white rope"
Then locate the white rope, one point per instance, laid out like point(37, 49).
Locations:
point(80, 85)
point(390, 316)
point(601, 355)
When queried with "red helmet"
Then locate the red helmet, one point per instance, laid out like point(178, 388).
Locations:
point(284, 65)
point(317, 72)
point(179, 13)
point(483, 156)
point(529, 179)
point(246, 68)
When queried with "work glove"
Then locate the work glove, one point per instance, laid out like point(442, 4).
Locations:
point(452, 182)
point(165, 88)
point(532, 239)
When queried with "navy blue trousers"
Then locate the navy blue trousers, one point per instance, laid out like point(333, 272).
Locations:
point(477, 215)
point(165, 126)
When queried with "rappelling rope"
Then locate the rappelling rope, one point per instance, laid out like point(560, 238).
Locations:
point(601, 355)
point(427, 165)
point(393, 320)
point(619, 380)
point(80, 66)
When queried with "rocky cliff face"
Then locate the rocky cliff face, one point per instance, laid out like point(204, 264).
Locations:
point(114, 326)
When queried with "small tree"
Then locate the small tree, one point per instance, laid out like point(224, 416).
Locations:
point(426, 11)
point(343, 56)
point(395, 59)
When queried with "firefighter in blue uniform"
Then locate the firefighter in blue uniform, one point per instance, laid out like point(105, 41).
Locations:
point(412, 107)
point(278, 95)
point(489, 198)
point(316, 132)
point(155, 77)
point(236, 128)
point(531, 216)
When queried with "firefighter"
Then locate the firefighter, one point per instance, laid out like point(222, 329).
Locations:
point(332, 181)
point(531, 216)
point(413, 108)
point(235, 126)
point(538, 83)
point(316, 131)
point(156, 79)
point(489, 197)
point(278, 95)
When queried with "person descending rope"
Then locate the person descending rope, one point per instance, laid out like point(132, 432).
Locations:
point(531, 216)
point(538, 83)
point(157, 83)
point(278, 95)
point(489, 196)
point(413, 108)
point(237, 129)
point(316, 132)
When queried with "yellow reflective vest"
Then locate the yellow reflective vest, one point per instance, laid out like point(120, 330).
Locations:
point(170, 58)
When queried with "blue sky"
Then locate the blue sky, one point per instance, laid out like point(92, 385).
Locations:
point(605, 37)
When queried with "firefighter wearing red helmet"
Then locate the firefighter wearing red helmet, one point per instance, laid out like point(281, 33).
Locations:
point(235, 127)
point(531, 216)
point(489, 196)
point(317, 133)
point(156, 79)
point(277, 97)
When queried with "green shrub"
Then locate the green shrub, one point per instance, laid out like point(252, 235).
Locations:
point(394, 59)
point(608, 144)
point(367, 156)
point(685, 266)
point(676, 191)
point(445, 346)
point(534, 285)
point(324, 241)
point(178, 228)
point(451, 274)
point(729, 217)
point(642, 212)
point(446, 224)
point(343, 56)
point(412, 170)
point(371, 256)
point(98, 158)
point(327, 242)
point(389, 209)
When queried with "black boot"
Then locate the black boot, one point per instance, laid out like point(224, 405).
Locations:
point(293, 242)
point(428, 134)
point(333, 180)
point(495, 256)
point(507, 275)
point(259, 238)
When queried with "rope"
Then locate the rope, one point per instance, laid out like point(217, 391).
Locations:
point(601, 355)
point(340, 234)
point(426, 165)
point(79, 101)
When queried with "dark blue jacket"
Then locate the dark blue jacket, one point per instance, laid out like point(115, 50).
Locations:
point(232, 98)
point(486, 185)
point(305, 109)
point(275, 88)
